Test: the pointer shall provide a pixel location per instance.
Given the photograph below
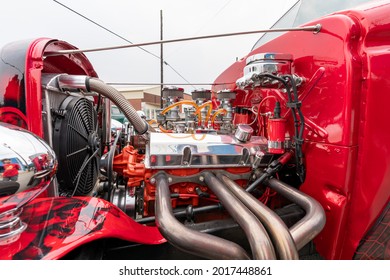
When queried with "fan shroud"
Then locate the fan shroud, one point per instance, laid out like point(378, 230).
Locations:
point(77, 144)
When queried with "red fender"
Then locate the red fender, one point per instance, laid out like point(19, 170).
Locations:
point(56, 226)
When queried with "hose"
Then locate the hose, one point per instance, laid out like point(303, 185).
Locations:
point(182, 102)
point(218, 112)
point(94, 84)
point(199, 113)
point(139, 124)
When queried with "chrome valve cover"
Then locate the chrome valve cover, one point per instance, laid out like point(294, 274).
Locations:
point(172, 151)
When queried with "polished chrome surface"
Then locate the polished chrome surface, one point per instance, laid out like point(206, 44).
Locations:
point(280, 235)
point(72, 82)
point(173, 91)
point(261, 159)
point(226, 95)
point(10, 226)
point(188, 240)
point(276, 144)
point(258, 238)
point(122, 198)
point(268, 57)
point(243, 132)
point(264, 63)
point(170, 150)
point(28, 166)
point(107, 121)
point(26, 160)
point(201, 94)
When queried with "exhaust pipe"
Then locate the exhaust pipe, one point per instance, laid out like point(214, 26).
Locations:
point(188, 240)
point(260, 243)
point(277, 229)
point(314, 220)
point(250, 214)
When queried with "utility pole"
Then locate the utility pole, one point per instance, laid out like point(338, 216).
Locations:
point(161, 60)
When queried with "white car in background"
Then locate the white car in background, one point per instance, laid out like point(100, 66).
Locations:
point(116, 125)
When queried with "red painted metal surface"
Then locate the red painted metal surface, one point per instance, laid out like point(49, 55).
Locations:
point(23, 81)
point(345, 102)
point(12, 93)
point(56, 226)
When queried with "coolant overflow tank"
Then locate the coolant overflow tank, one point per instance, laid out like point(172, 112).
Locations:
point(264, 63)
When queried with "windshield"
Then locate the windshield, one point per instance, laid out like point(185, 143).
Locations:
point(306, 10)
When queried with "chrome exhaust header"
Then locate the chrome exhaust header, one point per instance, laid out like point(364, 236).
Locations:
point(188, 240)
point(314, 220)
point(260, 243)
point(268, 235)
point(279, 234)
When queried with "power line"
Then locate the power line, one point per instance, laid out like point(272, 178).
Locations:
point(121, 37)
point(101, 26)
point(213, 17)
point(205, 23)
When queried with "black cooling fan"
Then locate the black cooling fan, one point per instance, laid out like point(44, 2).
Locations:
point(77, 145)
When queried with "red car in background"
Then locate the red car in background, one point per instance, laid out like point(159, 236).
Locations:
point(286, 157)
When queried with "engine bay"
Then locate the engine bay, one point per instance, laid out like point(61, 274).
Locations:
point(202, 164)
point(275, 161)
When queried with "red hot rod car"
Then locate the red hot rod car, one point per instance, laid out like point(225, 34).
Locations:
point(286, 157)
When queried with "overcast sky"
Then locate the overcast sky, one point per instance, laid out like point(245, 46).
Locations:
point(139, 21)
